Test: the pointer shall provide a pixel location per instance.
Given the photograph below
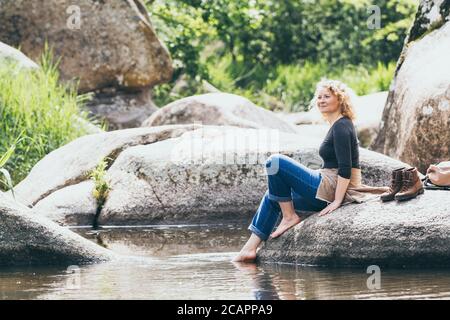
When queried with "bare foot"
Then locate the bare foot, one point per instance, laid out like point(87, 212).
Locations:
point(245, 256)
point(285, 224)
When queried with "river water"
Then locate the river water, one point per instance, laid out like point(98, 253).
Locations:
point(193, 262)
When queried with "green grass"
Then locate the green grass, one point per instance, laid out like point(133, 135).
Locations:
point(34, 106)
point(5, 177)
point(287, 88)
point(291, 87)
point(294, 85)
point(368, 80)
point(101, 187)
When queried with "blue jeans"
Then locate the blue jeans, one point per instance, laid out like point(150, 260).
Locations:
point(288, 180)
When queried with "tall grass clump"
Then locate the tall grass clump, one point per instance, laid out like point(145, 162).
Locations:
point(101, 187)
point(36, 107)
point(5, 178)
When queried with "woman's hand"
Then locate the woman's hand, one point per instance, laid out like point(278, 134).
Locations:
point(341, 189)
point(330, 208)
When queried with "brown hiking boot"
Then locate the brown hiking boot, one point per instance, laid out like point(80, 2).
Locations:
point(396, 185)
point(412, 186)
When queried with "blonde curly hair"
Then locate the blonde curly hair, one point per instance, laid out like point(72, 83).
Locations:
point(343, 92)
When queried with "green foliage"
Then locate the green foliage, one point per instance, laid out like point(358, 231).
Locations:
point(284, 31)
point(7, 155)
point(273, 52)
point(101, 188)
point(294, 85)
point(284, 87)
point(181, 27)
point(165, 93)
point(39, 110)
point(5, 179)
point(291, 87)
point(365, 81)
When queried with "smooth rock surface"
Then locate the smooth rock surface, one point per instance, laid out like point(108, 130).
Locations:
point(202, 176)
point(29, 239)
point(72, 163)
point(217, 109)
point(416, 120)
point(101, 43)
point(9, 54)
point(393, 234)
point(193, 174)
point(72, 205)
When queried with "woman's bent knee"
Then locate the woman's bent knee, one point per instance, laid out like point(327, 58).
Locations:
point(273, 163)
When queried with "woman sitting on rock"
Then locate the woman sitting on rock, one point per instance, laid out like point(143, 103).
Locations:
point(293, 186)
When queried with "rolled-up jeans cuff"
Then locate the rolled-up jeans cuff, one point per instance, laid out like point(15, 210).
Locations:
point(279, 198)
point(260, 234)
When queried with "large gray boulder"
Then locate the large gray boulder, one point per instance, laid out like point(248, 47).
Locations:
point(71, 205)
point(218, 109)
point(315, 131)
point(210, 174)
point(369, 109)
point(101, 43)
point(29, 239)
point(412, 233)
point(199, 174)
point(416, 120)
point(14, 56)
point(71, 164)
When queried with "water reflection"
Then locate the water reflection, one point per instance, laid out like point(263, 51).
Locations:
point(26, 283)
point(162, 241)
point(193, 262)
point(262, 281)
point(290, 282)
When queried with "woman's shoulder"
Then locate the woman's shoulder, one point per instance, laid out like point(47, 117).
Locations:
point(346, 120)
point(343, 123)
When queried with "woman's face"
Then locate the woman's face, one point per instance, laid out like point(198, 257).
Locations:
point(327, 101)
